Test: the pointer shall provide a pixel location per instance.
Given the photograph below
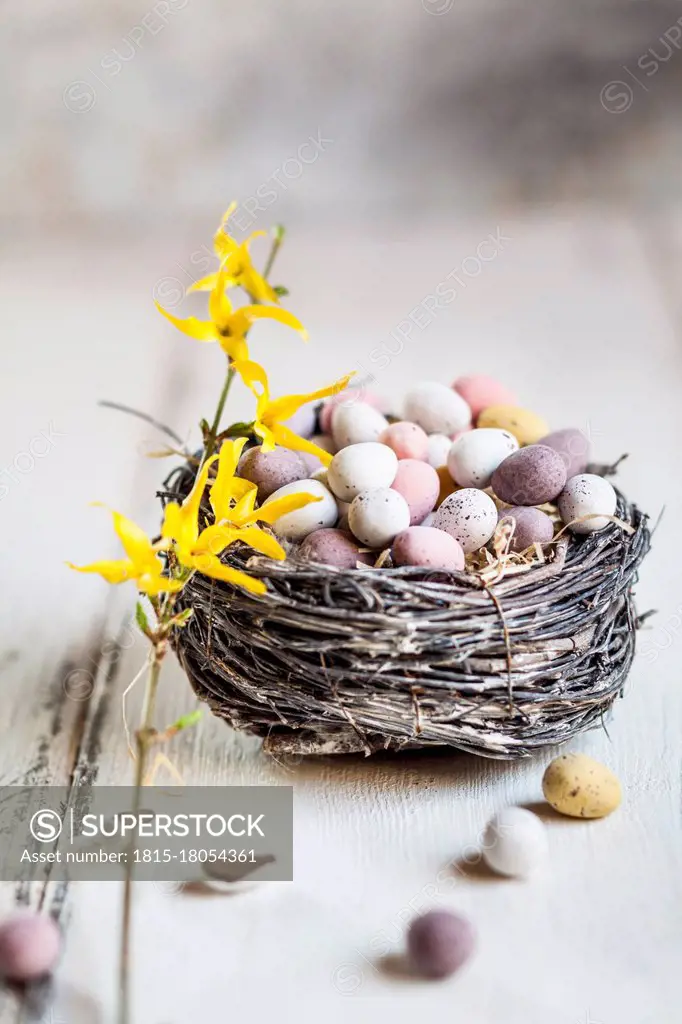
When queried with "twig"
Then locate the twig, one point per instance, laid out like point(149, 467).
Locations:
point(105, 404)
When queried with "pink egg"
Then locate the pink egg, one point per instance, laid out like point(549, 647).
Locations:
point(419, 484)
point(424, 545)
point(350, 395)
point(29, 946)
point(480, 392)
point(407, 440)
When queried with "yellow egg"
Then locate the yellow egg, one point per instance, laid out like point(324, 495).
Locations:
point(580, 787)
point(447, 485)
point(526, 426)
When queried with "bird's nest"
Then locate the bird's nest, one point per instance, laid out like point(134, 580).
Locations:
point(341, 661)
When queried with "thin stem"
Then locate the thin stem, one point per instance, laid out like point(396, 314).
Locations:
point(277, 240)
point(213, 432)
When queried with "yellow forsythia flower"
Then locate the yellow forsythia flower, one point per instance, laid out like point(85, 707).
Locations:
point(142, 564)
point(239, 268)
point(228, 326)
point(271, 415)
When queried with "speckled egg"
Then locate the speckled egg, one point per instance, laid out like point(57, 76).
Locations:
point(419, 485)
point(377, 516)
point(437, 450)
point(515, 843)
point(407, 440)
point(314, 516)
point(429, 547)
point(587, 495)
point(531, 526)
point(439, 943)
point(530, 476)
point(304, 420)
point(572, 446)
point(480, 392)
point(271, 470)
point(348, 397)
point(437, 408)
point(580, 787)
point(476, 454)
point(356, 423)
point(361, 466)
point(468, 515)
point(312, 462)
point(330, 547)
point(29, 946)
point(526, 426)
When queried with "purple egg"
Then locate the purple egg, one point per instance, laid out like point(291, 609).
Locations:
point(531, 526)
point(439, 943)
point(531, 476)
point(304, 420)
point(573, 447)
point(331, 547)
point(428, 547)
point(29, 946)
point(271, 470)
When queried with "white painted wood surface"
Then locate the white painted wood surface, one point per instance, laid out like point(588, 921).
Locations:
point(578, 312)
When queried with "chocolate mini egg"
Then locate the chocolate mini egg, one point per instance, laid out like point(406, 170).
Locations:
point(407, 440)
point(29, 946)
point(437, 408)
point(480, 392)
point(314, 516)
point(377, 516)
point(530, 476)
point(429, 547)
point(525, 425)
point(356, 423)
point(531, 526)
point(476, 454)
point(330, 547)
point(271, 470)
point(580, 787)
point(572, 446)
point(468, 515)
point(304, 420)
point(439, 943)
point(348, 397)
point(419, 485)
point(587, 495)
point(439, 446)
point(361, 466)
point(515, 843)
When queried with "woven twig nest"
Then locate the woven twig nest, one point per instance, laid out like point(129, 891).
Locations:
point(340, 661)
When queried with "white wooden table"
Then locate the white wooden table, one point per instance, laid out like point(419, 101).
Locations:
point(579, 313)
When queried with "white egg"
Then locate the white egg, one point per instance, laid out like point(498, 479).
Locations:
point(321, 475)
point(437, 408)
point(474, 457)
point(361, 466)
point(515, 843)
point(587, 494)
point(437, 451)
point(314, 516)
point(355, 422)
point(469, 515)
point(377, 516)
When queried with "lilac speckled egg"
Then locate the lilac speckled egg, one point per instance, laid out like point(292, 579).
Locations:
point(304, 420)
point(29, 946)
point(531, 526)
point(531, 476)
point(424, 545)
point(439, 943)
point(348, 397)
point(360, 467)
point(468, 515)
point(407, 440)
point(419, 485)
point(271, 470)
point(572, 446)
point(437, 408)
point(357, 423)
point(330, 547)
point(587, 495)
point(480, 392)
point(377, 516)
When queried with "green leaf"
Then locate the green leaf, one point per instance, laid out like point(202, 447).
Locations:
point(186, 721)
point(182, 618)
point(279, 289)
point(141, 618)
point(205, 428)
